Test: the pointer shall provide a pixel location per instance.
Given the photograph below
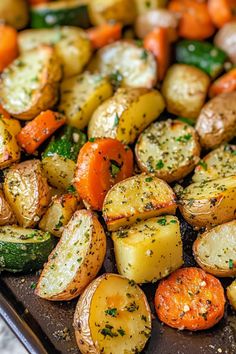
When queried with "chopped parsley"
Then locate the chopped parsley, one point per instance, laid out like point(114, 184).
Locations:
point(71, 189)
point(91, 140)
point(132, 307)
point(114, 168)
point(184, 138)
point(111, 312)
point(148, 179)
point(116, 79)
point(107, 331)
point(162, 221)
point(144, 55)
point(121, 331)
point(116, 120)
point(231, 264)
point(33, 285)
point(159, 164)
point(203, 164)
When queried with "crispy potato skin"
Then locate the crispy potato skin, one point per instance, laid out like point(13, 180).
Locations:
point(27, 192)
point(216, 123)
point(9, 149)
point(6, 214)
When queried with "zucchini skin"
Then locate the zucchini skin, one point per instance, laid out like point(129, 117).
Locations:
point(65, 145)
point(203, 55)
point(47, 17)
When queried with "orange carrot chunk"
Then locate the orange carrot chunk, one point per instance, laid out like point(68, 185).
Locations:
point(195, 21)
point(222, 11)
point(8, 45)
point(190, 299)
point(157, 42)
point(225, 83)
point(101, 164)
point(104, 34)
point(39, 129)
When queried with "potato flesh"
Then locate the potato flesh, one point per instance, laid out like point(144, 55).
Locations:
point(6, 215)
point(154, 243)
point(9, 149)
point(138, 197)
point(133, 316)
point(231, 294)
point(81, 95)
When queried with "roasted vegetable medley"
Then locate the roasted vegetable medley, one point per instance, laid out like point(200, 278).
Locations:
point(117, 119)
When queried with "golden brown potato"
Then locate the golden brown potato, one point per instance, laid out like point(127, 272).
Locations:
point(27, 192)
point(231, 294)
point(14, 12)
point(185, 89)
point(216, 123)
point(9, 149)
point(7, 216)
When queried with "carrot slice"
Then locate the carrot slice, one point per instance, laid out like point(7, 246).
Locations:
point(4, 113)
point(101, 163)
point(39, 129)
point(221, 11)
point(225, 83)
point(195, 22)
point(157, 42)
point(104, 34)
point(190, 299)
point(8, 45)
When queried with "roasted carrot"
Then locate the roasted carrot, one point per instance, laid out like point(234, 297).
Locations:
point(37, 2)
point(195, 21)
point(190, 299)
point(8, 45)
point(4, 113)
point(225, 83)
point(101, 163)
point(157, 42)
point(104, 34)
point(39, 129)
point(221, 11)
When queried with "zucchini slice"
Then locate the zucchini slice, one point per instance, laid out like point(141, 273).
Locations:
point(60, 13)
point(23, 250)
point(112, 316)
point(76, 259)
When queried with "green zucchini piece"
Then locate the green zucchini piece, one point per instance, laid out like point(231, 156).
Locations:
point(203, 55)
point(67, 144)
point(60, 13)
point(24, 250)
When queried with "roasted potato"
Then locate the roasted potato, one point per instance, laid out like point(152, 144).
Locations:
point(215, 250)
point(7, 216)
point(170, 149)
point(155, 243)
point(29, 84)
point(137, 198)
point(27, 192)
point(231, 294)
point(14, 13)
point(76, 259)
point(112, 316)
point(146, 6)
point(126, 114)
point(225, 39)
point(81, 95)
point(71, 44)
point(9, 149)
point(216, 123)
point(101, 11)
point(127, 64)
point(184, 89)
point(209, 203)
point(219, 163)
point(59, 213)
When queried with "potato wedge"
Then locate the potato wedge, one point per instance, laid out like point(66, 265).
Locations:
point(170, 149)
point(219, 163)
point(112, 316)
point(215, 250)
point(9, 149)
point(7, 216)
point(29, 84)
point(126, 63)
point(101, 11)
point(76, 259)
point(15, 13)
point(126, 114)
point(81, 95)
point(71, 45)
point(231, 294)
point(27, 192)
point(209, 203)
point(184, 89)
point(155, 243)
point(137, 198)
point(59, 213)
point(216, 123)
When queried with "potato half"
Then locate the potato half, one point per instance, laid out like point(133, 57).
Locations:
point(112, 316)
point(27, 192)
point(170, 149)
point(126, 114)
point(219, 163)
point(155, 243)
point(209, 203)
point(29, 84)
point(136, 198)
point(216, 123)
point(184, 89)
point(215, 250)
point(231, 294)
point(6, 214)
point(9, 149)
point(76, 259)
